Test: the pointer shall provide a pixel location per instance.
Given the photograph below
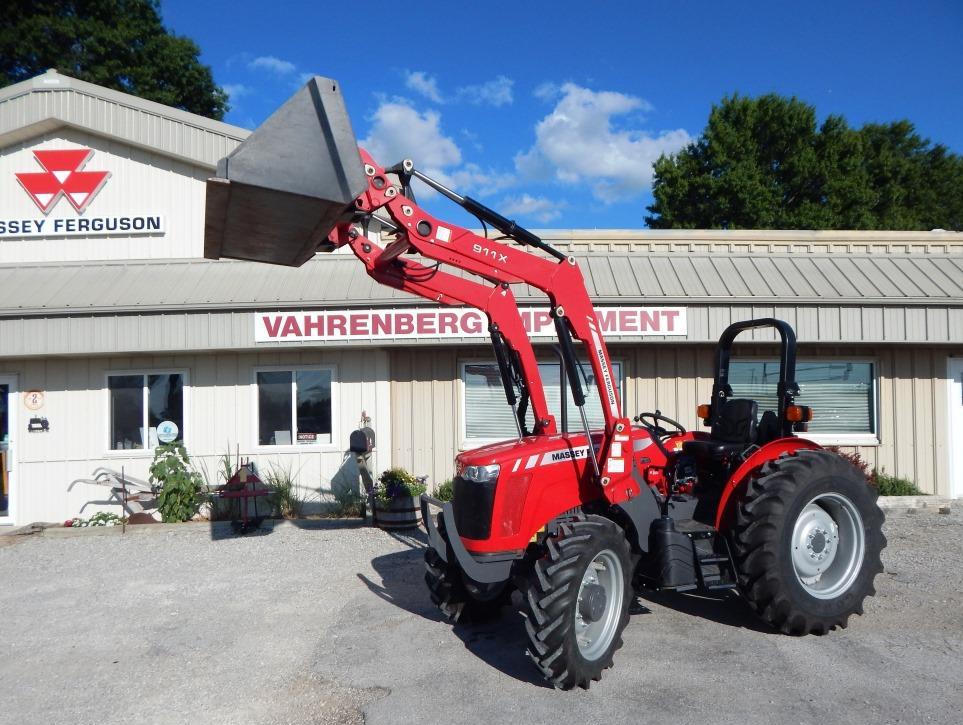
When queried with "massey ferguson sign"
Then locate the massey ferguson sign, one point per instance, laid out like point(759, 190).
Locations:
point(64, 175)
point(419, 323)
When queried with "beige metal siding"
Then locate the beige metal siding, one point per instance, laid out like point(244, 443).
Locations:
point(219, 417)
point(113, 114)
point(142, 183)
point(425, 403)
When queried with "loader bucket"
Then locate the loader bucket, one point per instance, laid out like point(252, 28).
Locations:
point(279, 194)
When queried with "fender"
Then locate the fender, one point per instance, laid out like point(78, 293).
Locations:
point(734, 489)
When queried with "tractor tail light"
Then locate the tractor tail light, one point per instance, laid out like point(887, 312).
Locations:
point(799, 414)
point(703, 411)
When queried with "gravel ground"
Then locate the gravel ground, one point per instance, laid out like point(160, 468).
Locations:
point(333, 625)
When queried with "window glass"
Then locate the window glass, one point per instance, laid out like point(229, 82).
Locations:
point(294, 407)
point(274, 408)
point(165, 401)
point(313, 406)
point(126, 411)
point(841, 394)
point(489, 417)
point(133, 424)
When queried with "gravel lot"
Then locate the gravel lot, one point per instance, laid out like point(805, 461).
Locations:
point(333, 625)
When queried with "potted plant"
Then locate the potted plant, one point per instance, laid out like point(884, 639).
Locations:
point(396, 502)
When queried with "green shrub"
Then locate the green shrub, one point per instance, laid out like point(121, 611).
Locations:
point(397, 483)
point(893, 486)
point(284, 499)
point(348, 504)
point(179, 483)
point(446, 491)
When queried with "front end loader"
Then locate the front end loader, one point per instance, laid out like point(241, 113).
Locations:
point(575, 518)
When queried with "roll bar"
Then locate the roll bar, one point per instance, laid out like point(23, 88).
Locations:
point(786, 389)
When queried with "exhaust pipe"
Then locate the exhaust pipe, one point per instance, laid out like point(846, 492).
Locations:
point(279, 194)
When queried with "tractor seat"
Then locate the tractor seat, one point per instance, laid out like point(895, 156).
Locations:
point(733, 432)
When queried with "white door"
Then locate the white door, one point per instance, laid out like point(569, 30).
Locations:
point(955, 374)
point(8, 431)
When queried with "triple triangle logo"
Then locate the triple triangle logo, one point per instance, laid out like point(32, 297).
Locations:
point(62, 177)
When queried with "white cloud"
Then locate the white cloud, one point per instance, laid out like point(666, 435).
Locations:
point(538, 208)
point(424, 84)
point(577, 142)
point(400, 131)
point(236, 90)
point(496, 92)
point(275, 65)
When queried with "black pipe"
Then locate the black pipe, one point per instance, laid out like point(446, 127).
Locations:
point(571, 362)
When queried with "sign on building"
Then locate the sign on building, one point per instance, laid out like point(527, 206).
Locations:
point(420, 323)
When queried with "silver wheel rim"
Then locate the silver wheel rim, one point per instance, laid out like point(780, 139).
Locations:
point(828, 545)
point(594, 638)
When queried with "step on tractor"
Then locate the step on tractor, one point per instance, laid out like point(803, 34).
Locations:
point(575, 519)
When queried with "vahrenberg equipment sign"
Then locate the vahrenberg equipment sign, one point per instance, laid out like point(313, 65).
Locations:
point(418, 323)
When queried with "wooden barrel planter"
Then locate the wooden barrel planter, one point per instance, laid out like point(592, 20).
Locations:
point(403, 512)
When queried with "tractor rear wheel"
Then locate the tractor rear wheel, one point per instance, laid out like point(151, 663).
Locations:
point(807, 541)
point(458, 597)
point(577, 601)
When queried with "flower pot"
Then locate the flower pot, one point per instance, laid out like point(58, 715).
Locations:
point(403, 512)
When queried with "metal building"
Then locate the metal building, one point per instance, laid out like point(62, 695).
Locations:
point(115, 332)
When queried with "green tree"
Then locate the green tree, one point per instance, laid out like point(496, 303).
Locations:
point(766, 163)
point(120, 44)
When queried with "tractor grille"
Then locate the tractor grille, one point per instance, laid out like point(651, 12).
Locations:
point(473, 503)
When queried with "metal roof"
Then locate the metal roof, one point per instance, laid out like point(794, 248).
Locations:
point(339, 280)
point(53, 100)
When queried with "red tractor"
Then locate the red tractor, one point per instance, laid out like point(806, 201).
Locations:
point(575, 520)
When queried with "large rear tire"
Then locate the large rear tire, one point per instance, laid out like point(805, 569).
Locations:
point(807, 540)
point(458, 597)
point(577, 602)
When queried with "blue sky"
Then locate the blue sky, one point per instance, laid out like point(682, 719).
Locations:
point(553, 112)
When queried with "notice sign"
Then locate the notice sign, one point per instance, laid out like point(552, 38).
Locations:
point(418, 323)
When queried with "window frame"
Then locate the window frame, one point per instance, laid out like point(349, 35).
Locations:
point(146, 451)
point(467, 443)
point(294, 446)
point(836, 439)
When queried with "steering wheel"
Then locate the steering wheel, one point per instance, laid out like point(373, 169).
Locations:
point(654, 428)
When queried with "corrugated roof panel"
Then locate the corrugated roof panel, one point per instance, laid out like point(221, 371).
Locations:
point(897, 274)
point(710, 277)
point(688, 277)
point(603, 282)
point(775, 280)
point(808, 271)
point(626, 278)
point(625, 281)
point(729, 270)
point(750, 275)
point(942, 279)
point(861, 285)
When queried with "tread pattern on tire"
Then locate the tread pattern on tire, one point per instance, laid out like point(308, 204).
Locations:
point(449, 593)
point(548, 602)
point(759, 533)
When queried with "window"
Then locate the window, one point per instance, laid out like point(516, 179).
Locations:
point(841, 394)
point(138, 403)
point(294, 406)
point(488, 416)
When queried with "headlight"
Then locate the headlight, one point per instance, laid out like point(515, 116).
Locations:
point(481, 474)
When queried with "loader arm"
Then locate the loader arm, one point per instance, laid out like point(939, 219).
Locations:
point(497, 302)
point(501, 264)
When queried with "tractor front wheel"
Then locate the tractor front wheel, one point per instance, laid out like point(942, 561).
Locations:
point(577, 601)
point(458, 597)
point(807, 541)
